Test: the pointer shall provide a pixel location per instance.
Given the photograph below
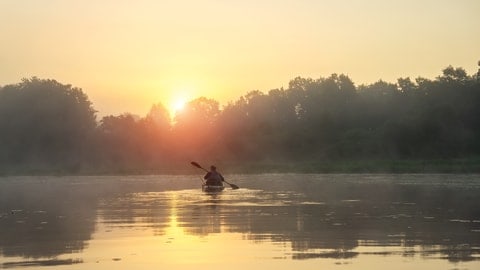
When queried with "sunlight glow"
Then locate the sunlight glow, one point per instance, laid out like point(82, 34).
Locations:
point(179, 104)
point(118, 57)
point(182, 93)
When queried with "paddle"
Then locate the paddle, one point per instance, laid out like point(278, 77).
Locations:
point(233, 186)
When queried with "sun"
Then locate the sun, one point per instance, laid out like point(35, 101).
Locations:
point(178, 104)
point(181, 94)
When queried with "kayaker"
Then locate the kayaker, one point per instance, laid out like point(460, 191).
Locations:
point(213, 177)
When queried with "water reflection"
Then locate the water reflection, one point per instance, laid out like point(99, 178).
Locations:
point(327, 220)
point(40, 218)
point(339, 217)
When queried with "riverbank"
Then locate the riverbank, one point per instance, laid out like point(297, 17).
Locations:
point(470, 165)
point(463, 165)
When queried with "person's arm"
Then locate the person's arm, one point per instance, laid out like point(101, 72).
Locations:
point(207, 175)
point(221, 177)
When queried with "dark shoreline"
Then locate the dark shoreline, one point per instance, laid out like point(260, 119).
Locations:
point(471, 165)
point(398, 166)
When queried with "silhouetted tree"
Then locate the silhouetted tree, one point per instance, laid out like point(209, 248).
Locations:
point(44, 125)
point(119, 141)
point(49, 126)
point(129, 143)
point(195, 133)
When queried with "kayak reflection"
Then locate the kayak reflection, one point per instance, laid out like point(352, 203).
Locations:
point(315, 216)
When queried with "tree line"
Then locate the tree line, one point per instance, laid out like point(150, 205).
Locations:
point(47, 126)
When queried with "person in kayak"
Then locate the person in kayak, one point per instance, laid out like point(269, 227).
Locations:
point(213, 177)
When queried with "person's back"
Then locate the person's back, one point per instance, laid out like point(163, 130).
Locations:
point(213, 177)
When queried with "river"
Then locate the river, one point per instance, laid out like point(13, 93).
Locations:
point(274, 221)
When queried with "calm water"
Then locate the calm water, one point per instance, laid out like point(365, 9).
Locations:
point(274, 220)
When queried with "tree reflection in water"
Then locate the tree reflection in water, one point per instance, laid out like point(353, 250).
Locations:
point(310, 216)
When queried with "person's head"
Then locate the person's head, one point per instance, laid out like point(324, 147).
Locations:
point(213, 168)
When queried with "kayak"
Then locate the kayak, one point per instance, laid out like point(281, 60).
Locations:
point(210, 188)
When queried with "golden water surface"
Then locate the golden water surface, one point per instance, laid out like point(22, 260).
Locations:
point(284, 221)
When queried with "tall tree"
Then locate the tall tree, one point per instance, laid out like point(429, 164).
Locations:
point(45, 124)
point(195, 131)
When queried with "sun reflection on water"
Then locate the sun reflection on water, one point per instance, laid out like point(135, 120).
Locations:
point(179, 245)
point(328, 224)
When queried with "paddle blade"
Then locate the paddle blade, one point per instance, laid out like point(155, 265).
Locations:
point(196, 164)
point(233, 186)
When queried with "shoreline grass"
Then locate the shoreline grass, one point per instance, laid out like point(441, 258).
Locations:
point(393, 166)
point(364, 166)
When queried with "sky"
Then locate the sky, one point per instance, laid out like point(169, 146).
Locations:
point(129, 55)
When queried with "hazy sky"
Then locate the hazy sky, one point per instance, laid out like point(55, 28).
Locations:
point(128, 55)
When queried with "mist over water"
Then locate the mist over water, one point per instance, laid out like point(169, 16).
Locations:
point(348, 221)
point(111, 191)
point(323, 125)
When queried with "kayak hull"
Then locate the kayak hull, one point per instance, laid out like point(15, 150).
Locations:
point(210, 188)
